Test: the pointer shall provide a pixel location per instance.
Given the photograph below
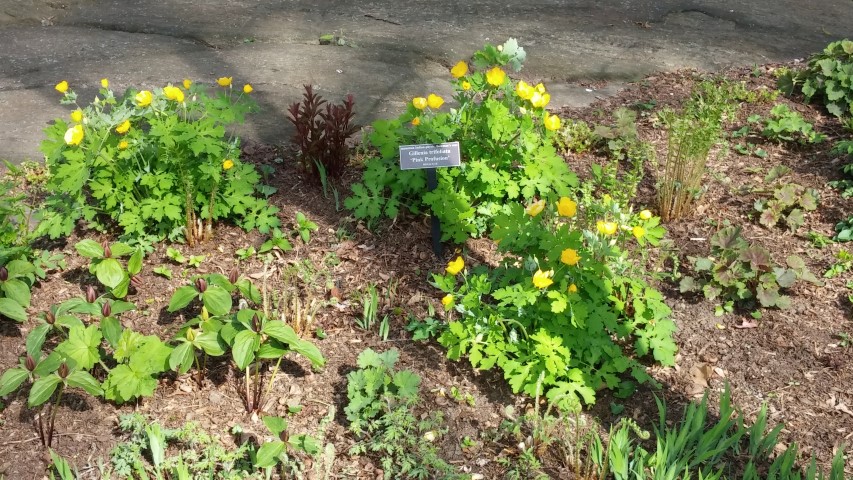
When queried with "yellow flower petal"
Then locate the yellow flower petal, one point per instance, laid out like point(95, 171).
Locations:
point(540, 88)
point(434, 101)
point(173, 93)
point(416, 121)
point(61, 87)
point(573, 288)
point(466, 85)
point(570, 257)
point(123, 127)
point(606, 228)
point(524, 90)
point(459, 70)
point(496, 76)
point(543, 279)
point(74, 135)
point(122, 145)
point(566, 207)
point(77, 116)
point(105, 83)
point(455, 266)
point(247, 88)
point(552, 122)
point(447, 301)
point(535, 208)
point(645, 215)
point(224, 81)
point(419, 102)
point(143, 98)
point(187, 83)
point(638, 232)
point(227, 164)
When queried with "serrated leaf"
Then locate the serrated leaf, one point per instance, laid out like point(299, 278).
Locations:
point(81, 346)
point(767, 296)
point(795, 219)
point(687, 284)
point(407, 384)
point(787, 279)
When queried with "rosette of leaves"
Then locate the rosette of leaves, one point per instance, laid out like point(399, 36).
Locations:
point(104, 263)
point(197, 338)
point(743, 272)
point(828, 78)
point(141, 359)
point(214, 292)
point(787, 125)
point(788, 204)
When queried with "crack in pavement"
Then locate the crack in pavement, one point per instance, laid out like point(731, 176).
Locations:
point(108, 27)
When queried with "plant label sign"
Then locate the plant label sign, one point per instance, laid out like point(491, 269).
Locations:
point(437, 155)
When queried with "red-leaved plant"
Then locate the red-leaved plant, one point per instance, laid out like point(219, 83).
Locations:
point(321, 134)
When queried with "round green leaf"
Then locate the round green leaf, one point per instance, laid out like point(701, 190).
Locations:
point(182, 297)
point(109, 272)
point(217, 300)
point(89, 249)
point(42, 389)
point(12, 309)
point(11, 380)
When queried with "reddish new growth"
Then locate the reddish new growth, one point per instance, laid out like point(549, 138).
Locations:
point(321, 134)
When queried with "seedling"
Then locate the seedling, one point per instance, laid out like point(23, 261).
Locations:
point(163, 271)
point(370, 303)
point(304, 227)
point(844, 261)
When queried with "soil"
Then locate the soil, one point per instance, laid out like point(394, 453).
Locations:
point(793, 360)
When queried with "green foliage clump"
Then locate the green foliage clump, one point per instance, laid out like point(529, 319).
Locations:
point(828, 78)
point(743, 272)
point(787, 202)
point(153, 163)
point(379, 409)
point(787, 125)
point(566, 313)
point(506, 144)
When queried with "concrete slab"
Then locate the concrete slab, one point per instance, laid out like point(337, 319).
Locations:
point(399, 49)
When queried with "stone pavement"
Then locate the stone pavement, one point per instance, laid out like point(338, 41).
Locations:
point(396, 49)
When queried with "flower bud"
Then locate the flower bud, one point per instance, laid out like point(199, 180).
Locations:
point(256, 323)
point(205, 315)
point(107, 252)
point(191, 334)
point(63, 371)
point(4, 274)
point(30, 363)
point(49, 317)
point(233, 275)
point(136, 282)
point(106, 309)
point(200, 284)
point(91, 296)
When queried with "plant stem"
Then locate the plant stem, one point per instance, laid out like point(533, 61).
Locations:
point(53, 415)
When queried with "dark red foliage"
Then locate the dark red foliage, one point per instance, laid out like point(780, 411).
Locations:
point(321, 134)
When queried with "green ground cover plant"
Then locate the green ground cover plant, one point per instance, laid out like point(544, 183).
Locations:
point(152, 163)
point(828, 78)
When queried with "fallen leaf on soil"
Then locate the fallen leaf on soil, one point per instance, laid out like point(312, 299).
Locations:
point(747, 324)
point(720, 372)
point(841, 407)
point(701, 374)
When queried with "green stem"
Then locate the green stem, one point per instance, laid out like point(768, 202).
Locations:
point(53, 414)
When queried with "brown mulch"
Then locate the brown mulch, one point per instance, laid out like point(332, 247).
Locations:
point(791, 360)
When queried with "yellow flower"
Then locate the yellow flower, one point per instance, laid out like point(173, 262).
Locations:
point(606, 228)
point(455, 266)
point(74, 135)
point(247, 88)
point(639, 232)
point(496, 76)
point(542, 279)
point(61, 87)
point(123, 127)
point(566, 207)
point(416, 121)
point(77, 116)
point(606, 198)
point(224, 81)
point(187, 83)
point(540, 88)
point(227, 164)
point(570, 257)
point(552, 122)
point(122, 145)
point(173, 93)
point(105, 83)
point(434, 101)
point(466, 85)
point(459, 70)
point(447, 301)
point(143, 98)
point(535, 208)
point(540, 100)
point(645, 215)
point(524, 90)
point(573, 288)
point(419, 102)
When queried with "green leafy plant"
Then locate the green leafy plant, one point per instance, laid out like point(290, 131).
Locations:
point(565, 303)
point(576, 136)
point(427, 328)
point(176, 256)
point(214, 292)
point(828, 77)
point(370, 308)
point(16, 279)
point(197, 339)
point(693, 133)
point(743, 272)
point(506, 142)
point(787, 125)
point(748, 148)
point(278, 451)
point(153, 163)
point(304, 227)
point(105, 266)
point(62, 467)
point(380, 400)
point(321, 135)
point(843, 263)
point(788, 202)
